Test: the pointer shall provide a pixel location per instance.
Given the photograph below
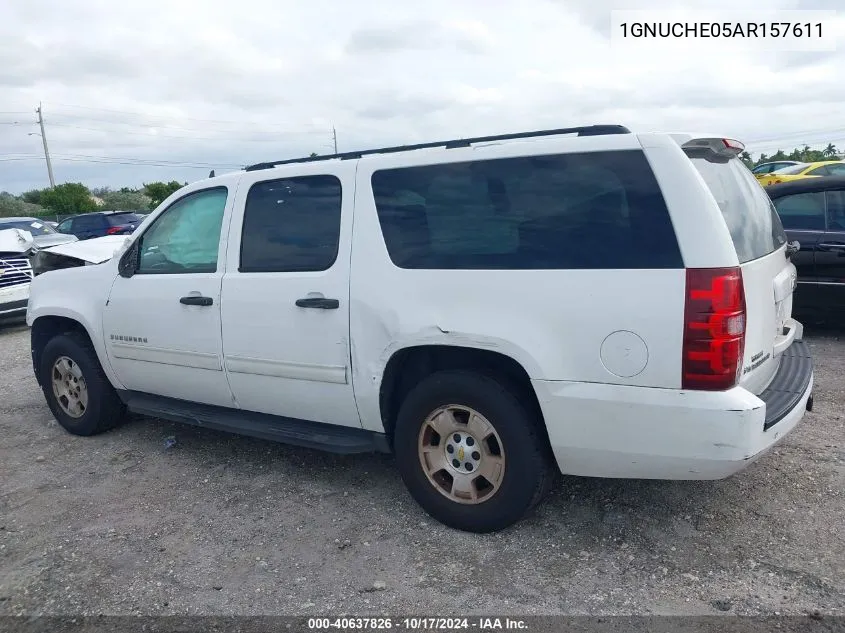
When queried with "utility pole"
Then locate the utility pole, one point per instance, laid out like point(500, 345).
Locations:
point(44, 141)
point(334, 138)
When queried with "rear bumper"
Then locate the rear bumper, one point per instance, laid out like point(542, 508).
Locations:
point(13, 301)
point(601, 430)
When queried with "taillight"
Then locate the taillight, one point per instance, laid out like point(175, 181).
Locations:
point(113, 230)
point(714, 328)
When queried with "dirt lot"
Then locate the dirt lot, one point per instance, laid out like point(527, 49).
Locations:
point(217, 524)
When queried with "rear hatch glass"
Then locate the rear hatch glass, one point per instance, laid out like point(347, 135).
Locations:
point(768, 276)
point(119, 219)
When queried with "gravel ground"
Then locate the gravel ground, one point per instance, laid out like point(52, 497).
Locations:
point(218, 524)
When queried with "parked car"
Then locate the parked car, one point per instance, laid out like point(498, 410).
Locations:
point(19, 239)
point(804, 170)
point(592, 301)
point(763, 169)
point(43, 234)
point(100, 223)
point(813, 213)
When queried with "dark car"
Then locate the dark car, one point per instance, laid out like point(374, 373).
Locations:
point(100, 223)
point(43, 235)
point(812, 211)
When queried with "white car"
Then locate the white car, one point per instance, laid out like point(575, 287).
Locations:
point(491, 310)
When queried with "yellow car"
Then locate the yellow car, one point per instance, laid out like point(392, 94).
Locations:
point(804, 170)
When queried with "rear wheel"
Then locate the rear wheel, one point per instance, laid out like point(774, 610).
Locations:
point(76, 388)
point(470, 454)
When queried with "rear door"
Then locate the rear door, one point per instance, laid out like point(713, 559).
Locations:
point(285, 314)
point(768, 276)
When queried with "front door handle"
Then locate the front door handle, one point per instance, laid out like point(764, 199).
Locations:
point(318, 302)
point(834, 246)
point(196, 300)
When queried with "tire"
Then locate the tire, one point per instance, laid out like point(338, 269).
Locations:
point(524, 463)
point(103, 409)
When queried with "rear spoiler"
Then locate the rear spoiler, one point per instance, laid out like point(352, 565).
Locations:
point(725, 147)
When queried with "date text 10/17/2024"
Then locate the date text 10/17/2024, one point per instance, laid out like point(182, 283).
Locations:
point(481, 624)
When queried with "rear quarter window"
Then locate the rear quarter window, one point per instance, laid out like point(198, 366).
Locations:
point(117, 219)
point(749, 214)
point(598, 210)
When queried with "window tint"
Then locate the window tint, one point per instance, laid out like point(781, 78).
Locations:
point(836, 210)
point(64, 227)
point(595, 210)
point(88, 223)
point(749, 213)
point(802, 211)
point(291, 225)
point(185, 238)
point(116, 219)
point(837, 169)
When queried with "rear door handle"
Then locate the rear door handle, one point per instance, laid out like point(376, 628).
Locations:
point(318, 302)
point(196, 300)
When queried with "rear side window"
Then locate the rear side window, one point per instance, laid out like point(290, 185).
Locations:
point(836, 210)
point(803, 211)
point(750, 215)
point(599, 210)
point(89, 222)
point(291, 225)
point(118, 219)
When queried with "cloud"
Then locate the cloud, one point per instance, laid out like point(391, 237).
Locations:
point(206, 81)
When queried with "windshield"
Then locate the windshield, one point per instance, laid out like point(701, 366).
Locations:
point(791, 171)
point(749, 213)
point(33, 226)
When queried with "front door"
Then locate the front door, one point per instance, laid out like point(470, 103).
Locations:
point(803, 219)
point(162, 324)
point(830, 256)
point(286, 295)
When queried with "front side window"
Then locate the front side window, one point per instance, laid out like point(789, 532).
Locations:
point(803, 211)
point(837, 169)
point(185, 238)
point(64, 227)
point(291, 225)
point(836, 210)
point(597, 210)
point(819, 171)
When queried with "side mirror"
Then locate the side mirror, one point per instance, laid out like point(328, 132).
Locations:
point(128, 264)
point(792, 248)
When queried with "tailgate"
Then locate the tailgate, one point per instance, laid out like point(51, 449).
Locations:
point(769, 278)
point(769, 283)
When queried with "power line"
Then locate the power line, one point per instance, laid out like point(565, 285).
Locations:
point(165, 116)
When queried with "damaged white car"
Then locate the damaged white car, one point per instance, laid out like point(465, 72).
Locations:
point(22, 257)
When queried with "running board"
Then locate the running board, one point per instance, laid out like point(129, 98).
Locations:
point(326, 437)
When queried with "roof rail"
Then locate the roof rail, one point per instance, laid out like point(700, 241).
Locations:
point(589, 130)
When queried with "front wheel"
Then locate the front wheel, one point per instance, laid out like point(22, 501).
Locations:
point(470, 454)
point(76, 388)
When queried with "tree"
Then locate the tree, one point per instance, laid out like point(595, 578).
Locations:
point(68, 198)
point(12, 206)
point(157, 192)
point(124, 201)
point(313, 154)
point(745, 157)
point(830, 151)
point(33, 197)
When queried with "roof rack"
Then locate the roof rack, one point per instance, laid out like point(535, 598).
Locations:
point(589, 130)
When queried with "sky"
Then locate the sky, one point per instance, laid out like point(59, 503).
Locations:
point(137, 91)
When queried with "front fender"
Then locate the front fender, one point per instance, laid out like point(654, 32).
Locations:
point(79, 294)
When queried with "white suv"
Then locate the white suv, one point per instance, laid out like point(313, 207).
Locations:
point(490, 310)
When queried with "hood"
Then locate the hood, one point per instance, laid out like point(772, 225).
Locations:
point(52, 239)
point(15, 241)
point(95, 251)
